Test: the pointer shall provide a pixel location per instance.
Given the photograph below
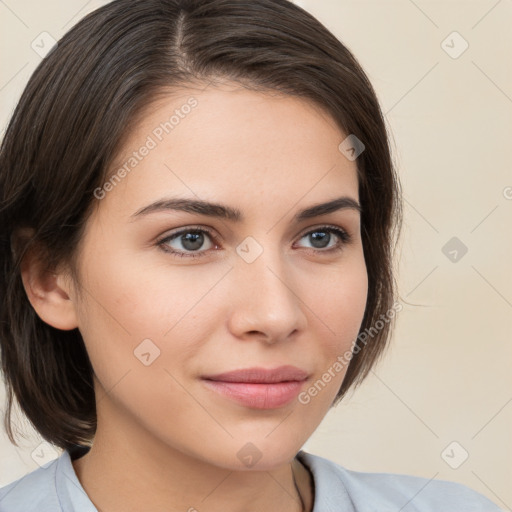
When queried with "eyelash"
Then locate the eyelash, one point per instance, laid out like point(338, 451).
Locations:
point(343, 236)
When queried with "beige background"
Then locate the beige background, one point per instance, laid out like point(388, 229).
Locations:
point(447, 376)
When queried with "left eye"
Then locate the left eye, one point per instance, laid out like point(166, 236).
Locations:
point(192, 239)
point(321, 237)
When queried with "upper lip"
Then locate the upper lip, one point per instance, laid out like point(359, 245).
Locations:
point(261, 375)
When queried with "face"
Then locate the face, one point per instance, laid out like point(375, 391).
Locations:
point(171, 296)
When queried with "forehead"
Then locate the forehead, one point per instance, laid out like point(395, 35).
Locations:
point(246, 148)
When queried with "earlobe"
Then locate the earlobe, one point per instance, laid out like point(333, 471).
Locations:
point(48, 292)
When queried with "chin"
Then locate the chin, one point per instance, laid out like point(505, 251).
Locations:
point(258, 454)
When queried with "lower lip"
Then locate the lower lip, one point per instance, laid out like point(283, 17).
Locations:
point(258, 396)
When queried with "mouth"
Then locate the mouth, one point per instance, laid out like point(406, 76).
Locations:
point(259, 388)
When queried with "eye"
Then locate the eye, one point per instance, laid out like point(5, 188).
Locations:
point(190, 240)
point(322, 236)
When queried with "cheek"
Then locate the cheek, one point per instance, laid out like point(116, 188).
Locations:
point(133, 308)
point(144, 334)
point(336, 308)
point(338, 302)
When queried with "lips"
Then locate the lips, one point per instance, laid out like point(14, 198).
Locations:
point(259, 388)
point(257, 375)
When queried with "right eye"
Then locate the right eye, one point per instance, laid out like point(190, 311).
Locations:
point(191, 240)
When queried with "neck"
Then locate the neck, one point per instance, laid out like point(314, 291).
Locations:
point(151, 477)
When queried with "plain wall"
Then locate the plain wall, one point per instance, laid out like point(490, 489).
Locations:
point(447, 376)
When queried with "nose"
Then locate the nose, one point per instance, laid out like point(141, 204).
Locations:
point(265, 302)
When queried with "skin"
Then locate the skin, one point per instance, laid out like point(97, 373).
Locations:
point(164, 440)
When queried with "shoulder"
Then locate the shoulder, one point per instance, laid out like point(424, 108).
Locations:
point(32, 492)
point(389, 492)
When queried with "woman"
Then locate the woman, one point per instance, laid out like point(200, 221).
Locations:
point(198, 213)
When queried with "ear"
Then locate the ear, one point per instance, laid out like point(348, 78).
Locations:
point(48, 292)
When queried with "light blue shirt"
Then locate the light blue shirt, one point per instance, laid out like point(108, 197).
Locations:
point(56, 488)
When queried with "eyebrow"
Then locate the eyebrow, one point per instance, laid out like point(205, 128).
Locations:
point(234, 214)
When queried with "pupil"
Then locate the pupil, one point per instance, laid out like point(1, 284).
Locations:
point(323, 237)
point(193, 241)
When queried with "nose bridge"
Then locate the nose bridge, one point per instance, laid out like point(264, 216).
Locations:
point(265, 263)
point(265, 299)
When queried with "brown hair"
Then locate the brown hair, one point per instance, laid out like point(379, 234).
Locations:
point(77, 109)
